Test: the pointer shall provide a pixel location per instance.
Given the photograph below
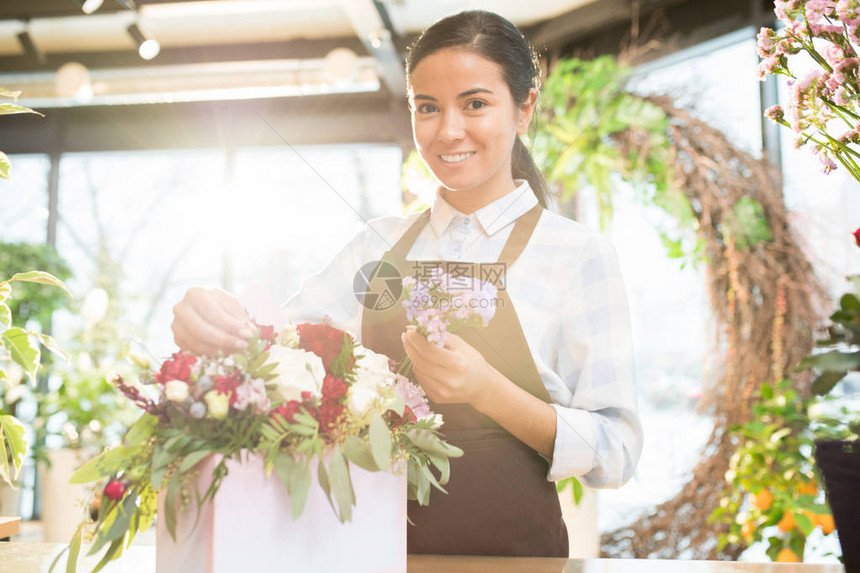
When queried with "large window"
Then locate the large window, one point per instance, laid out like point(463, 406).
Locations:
point(24, 200)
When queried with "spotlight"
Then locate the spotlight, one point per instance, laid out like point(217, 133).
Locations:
point(29, 46)
point(147, 46)
point(89, 6)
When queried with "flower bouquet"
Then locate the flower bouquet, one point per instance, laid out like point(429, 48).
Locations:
point(823, 107)
point(307, 402)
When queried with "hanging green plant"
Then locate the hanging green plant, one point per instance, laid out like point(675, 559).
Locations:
point(586, 110)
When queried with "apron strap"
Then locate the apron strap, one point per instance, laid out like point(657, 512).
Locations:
point(520, 235)
point(407, 239)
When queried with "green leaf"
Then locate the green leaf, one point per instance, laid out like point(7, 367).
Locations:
point(300, 484)
point(49, 343)
point(850, 302)
point(22, 350)
point(105, 464)
point(140, 431)
point(322, 477)
point(833, 361)
point(10, 108)
point(9, 93)
point(147, 509)
point(13, 442)
point(443, 465)
point(341, 485)
point(74, 550)
point(170, 504)
point(192, 460)
point(40, 277)
point(5, 315)
point(5, 165)
point(380, 442)
point(358, 452)
point(825, 383)
point(431, 443)
point(124, 513)
point(804, 523)
point(5, 287)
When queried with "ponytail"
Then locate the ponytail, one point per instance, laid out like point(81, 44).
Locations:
point(523, 167)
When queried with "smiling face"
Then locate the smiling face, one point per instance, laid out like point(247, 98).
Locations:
point(465, 121)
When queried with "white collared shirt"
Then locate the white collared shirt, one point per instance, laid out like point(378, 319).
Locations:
point(567, 291)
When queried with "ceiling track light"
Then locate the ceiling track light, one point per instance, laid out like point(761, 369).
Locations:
point(147, 46)
point(89, 6)
point(29, 46)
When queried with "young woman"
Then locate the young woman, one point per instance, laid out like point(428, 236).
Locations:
point(544, 392)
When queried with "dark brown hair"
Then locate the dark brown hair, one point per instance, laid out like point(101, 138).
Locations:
point(495, 38)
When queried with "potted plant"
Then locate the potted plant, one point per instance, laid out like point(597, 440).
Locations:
point(838, 453)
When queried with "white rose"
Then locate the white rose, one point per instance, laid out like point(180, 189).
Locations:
point(176, 390)
point(372, 369)
point(289, 336)
point(360, 400)
point(297, 371)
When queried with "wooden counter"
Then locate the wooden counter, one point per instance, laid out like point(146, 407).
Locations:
point(9, 526)
point(19, 557)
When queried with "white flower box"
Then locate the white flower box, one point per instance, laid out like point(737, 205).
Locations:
point(248, 527)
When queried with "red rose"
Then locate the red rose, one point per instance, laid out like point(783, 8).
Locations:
point(333, 388)
point(267, 333)
point(228, 385)
point(115, 489)
point(857, 236)
point(329, 413)
point(323, 340)
point(177, 367)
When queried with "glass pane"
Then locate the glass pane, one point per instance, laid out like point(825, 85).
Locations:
point(295, 209)
point(24, 200)
point(145, 213)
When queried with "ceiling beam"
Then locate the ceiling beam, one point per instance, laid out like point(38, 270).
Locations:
point(318, 120)
point(588, 19)
point(373, 28)
point(293, 49)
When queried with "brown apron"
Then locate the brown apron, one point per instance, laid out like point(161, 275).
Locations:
point(499, 501)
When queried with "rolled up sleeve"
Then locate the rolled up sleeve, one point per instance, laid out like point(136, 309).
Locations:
point(598, 431)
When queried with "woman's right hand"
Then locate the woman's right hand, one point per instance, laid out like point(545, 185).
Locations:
point(209, 321)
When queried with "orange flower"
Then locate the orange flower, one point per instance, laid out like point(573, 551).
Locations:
point(808, 488)
point(786, 555)
point(747, 531)
point(826, 523)
point(763, 499)
point(787, 522)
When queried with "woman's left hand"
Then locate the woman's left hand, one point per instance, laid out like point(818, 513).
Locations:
point(453, 374)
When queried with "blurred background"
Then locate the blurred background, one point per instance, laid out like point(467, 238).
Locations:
point(236, 143)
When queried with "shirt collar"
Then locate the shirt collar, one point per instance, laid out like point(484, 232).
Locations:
point(493, 216)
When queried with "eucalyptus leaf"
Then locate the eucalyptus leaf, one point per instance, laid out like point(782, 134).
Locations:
point(341, 485)
point(170, 504)
point(140, 431)
point(193, 459)
point(380, 442)
point(105, 464)
point(358, 452)
point(300, 484)
point(74, 551)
